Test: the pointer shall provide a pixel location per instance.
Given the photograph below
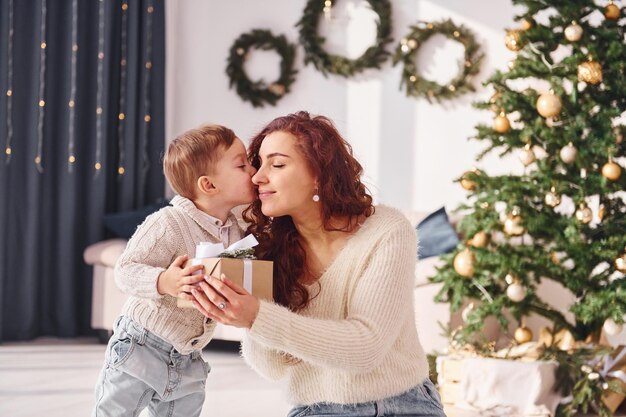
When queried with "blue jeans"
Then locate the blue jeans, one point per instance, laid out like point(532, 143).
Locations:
point(142, 370)
point(420, 401)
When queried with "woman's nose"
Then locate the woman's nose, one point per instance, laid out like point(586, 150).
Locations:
point(252, 170)
point(258, 177)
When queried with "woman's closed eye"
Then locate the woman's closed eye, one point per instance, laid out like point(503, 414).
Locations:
point(278, 165)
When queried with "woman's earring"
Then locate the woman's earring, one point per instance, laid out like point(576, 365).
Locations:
point(316, 198)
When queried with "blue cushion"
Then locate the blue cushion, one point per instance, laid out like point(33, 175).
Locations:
point(124, 224)
point(436, 235)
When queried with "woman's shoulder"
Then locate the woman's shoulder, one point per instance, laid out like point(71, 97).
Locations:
point(387, 214)
point(387, 219)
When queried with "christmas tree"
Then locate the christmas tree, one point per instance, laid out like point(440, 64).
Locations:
point(564, 218)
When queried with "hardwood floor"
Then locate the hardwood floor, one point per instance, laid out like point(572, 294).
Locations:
point(56, 378)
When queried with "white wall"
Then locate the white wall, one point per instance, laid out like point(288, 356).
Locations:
point(411, 150)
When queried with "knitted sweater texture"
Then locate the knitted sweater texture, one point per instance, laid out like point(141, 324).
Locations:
point(356, 341)
point(172, 231)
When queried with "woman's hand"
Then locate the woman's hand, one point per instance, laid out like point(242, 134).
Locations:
point(226, 302)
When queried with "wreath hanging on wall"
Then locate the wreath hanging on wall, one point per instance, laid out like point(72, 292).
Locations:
point(258, 92)
point(406, 52)
point(326, 63)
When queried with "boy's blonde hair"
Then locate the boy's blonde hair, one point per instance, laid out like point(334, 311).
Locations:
point(194, 154)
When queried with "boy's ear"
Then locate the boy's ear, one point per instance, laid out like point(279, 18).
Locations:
point(206, 186)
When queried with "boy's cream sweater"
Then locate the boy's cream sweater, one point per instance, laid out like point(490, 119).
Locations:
point(163, 236)
point(356, 341)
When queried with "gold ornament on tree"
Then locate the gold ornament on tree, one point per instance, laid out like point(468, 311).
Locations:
point(515, 291)
point(611, 170)
point(467, 183)
point(590, 72)
point(523, 335)
point(573, 32)
point(584, 213)
point(611, 11)
point(513, 223)
point(620, 262)
point(501, 123)
point(568, 153)
point(480, 240)
point(552, 199)
point(549, 104)
point(464, 263)
point(512, 40)
point(527, 156)
point(526, 24)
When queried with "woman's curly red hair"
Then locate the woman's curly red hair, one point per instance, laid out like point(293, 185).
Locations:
point(342, 194)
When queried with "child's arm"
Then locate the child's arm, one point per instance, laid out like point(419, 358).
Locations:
point(151, 252)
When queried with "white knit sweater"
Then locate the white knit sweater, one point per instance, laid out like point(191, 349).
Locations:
point(356, 341)
point(163, 236)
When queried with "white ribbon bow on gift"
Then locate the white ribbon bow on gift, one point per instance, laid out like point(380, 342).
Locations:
point(212, 250)
point(609, 363)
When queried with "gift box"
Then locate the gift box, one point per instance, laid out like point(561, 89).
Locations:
point(449, 375)
point(506, 387)
point(255, 276)
point(235, 262)
point(614, 370)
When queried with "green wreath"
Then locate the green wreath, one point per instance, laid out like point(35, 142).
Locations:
point(313, 44)
point(258, 92)
point(406, 53)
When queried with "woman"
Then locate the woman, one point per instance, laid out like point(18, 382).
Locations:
point(342, 327)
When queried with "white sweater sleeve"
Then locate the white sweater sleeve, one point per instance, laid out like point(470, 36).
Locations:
point(379, 300)
point(269, 363)
point(148, 253)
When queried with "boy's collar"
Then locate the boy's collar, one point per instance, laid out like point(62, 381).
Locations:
point(205, 220)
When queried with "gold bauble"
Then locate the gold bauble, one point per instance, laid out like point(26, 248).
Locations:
point(552, 199)
point(501, 123)
point(549, 105)
point(493, 101)
point(590, 72)
point(601, 212)
point(620, 262)
point(584, 214)
point(527, 156)
point(611, 11)
point(619, 136)
point(480, 239)
point(523, 335)
point(573, 32)
point(464, 263)
point(526, 24)
point(512, 40)
point(511, 64)
point(513, 226)
point(611, 171)
point(466, 183)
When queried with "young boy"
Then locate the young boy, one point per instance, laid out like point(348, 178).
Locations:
point(154, 356)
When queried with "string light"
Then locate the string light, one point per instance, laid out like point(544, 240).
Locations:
point(9, 92)
point(147, 84)
point(42, 78)
point(123, 79)
point(100, 87)
point(72, 113)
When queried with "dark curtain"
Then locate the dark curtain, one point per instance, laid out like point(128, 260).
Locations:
point(103, 54)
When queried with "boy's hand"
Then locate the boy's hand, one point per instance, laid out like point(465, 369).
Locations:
point(176, 279)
